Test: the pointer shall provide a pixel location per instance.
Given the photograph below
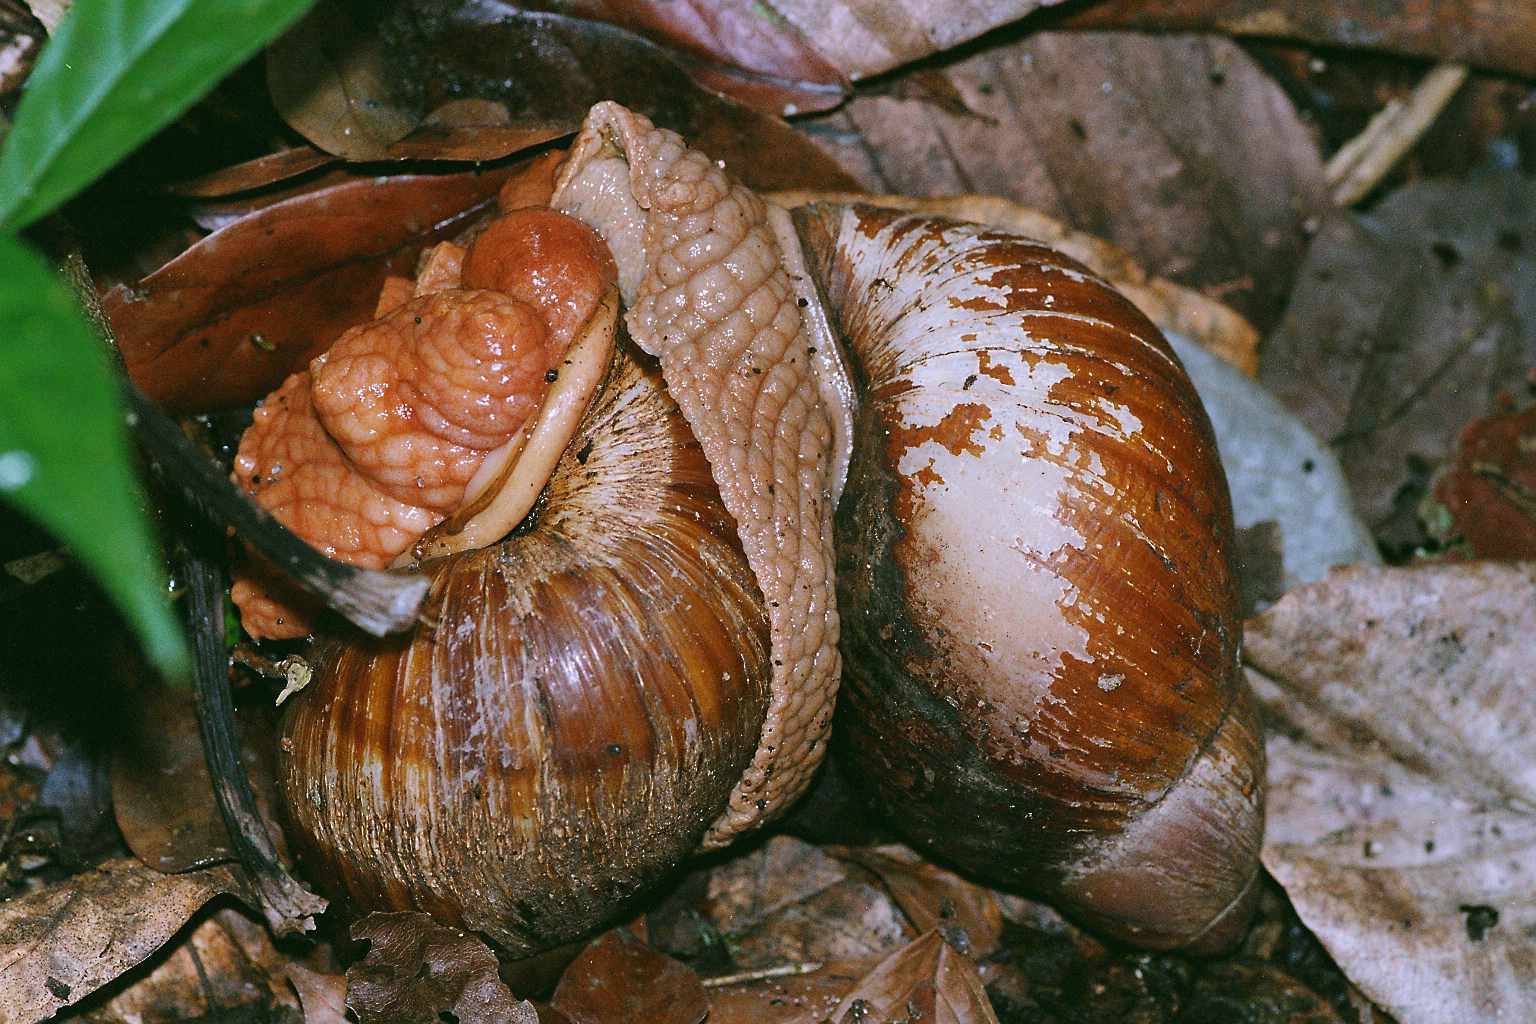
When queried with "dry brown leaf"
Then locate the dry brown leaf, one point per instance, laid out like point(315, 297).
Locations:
point(927, 982)
point(935, 899)
point(1405, 325)
point(1402, 778)
point(418, 970)
point(322, 996)
point(811, 996)
point(618, 980)
point(226, 321)
point(1490, 33)
point(226, 964)
point(1177, 149)
point(788, 902)
point(60, 944)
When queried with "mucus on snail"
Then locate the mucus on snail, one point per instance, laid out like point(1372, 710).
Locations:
point(1038, 621)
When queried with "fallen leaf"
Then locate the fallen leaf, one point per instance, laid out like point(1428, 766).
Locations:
point(225, 964)
point(746, 51)
point(926, 981)
point(1406, 325)
point(60, 944)
point(226, 321)
point(618, 980)
point(162, 795)
point(1489, 33)
point(1401, 776)
point(417, 970)
point(1489, 490)
point(1177, 149)
point(336, 81)
point(788, 902)
point(936, 899)
point(322, 996)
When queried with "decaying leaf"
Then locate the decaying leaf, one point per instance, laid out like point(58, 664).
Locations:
point(323, 996)
point(928, 981)
point(935, 899)
point(225, 964)
point(788, 902)
point(1489, 491)
point(1178, 150)
point(1406, 325)
point(225, 322)
point(60, 944)
point(417, 970)
point(618, 980)
point(1402, 777)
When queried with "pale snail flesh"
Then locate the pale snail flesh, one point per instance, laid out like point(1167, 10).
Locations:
point(965, 387)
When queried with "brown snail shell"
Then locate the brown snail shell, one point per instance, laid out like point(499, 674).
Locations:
point(1031, 557)
point(588, 692)
point(1040, 623)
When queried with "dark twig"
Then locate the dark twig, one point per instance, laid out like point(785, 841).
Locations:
point(375, 601)
point(288, 907)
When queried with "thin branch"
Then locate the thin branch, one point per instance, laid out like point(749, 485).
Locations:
point(1362, 162)
point(375, 601)
point(288, 907)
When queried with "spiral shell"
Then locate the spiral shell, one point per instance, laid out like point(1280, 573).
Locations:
point(1040, 624)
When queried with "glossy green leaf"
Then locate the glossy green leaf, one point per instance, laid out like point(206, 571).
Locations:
point(114, 74)
point(64, 454)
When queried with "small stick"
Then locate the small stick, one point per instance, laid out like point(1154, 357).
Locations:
point(762, 974)
point(288, 907)
point(375, 601)
point(1362, 162)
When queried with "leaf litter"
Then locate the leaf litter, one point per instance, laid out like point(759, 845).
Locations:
point(1327, 765)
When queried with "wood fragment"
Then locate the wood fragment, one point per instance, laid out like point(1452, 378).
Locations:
point(1364, 161)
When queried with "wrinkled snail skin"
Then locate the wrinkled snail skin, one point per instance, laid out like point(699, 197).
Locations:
point(571, 721)
point(1040, 627)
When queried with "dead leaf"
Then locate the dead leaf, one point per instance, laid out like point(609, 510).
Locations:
point(812, 996)
point(336, 81)
point(1401, 780)
point(1176, 149)
point(417, 970)
point(1488, 33)
point(1404, 326)
point(1489, 490)
point(226, 321)
point(225, 964)
point(936, 899)
point(864, 39)
point(161, 792)
point(746, 51)
point(618, 980)
point(257, 173)
point(927, 981)
point(322, 996)
point(788, 902)
point(60, 944)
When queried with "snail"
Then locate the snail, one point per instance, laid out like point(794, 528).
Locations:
point(1027, 567)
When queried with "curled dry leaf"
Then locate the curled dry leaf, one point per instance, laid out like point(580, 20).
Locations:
point(60, 944)
point(745, 51)
point(1402, 778)
point(1490, 489)
point(224, 323)
point(1406, 325)
point(417, 970)
point(618, 980)
point(1177, 149)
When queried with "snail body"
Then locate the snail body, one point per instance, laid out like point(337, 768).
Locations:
point(1038, 620)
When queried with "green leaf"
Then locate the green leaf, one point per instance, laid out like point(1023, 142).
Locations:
point(64, 454)
point(114, 74)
